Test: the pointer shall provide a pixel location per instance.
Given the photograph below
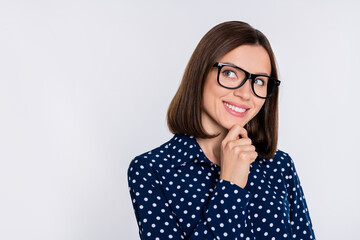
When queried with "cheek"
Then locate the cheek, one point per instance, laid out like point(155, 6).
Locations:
point(213, 92)
point(259, 104)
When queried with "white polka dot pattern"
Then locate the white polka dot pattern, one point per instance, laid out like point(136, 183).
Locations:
point(177, 194)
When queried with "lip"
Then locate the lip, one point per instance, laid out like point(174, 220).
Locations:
point(232, 112)
point(237, 105)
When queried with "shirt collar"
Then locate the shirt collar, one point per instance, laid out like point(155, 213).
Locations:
point(183, 149)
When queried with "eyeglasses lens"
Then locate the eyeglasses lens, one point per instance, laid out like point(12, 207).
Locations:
point(231, 77)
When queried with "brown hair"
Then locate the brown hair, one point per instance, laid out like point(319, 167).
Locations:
point(184, 113)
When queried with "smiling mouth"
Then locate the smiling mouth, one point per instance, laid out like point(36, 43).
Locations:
point(234, 108)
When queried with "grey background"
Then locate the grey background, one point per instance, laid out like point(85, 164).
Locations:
point(85, 85)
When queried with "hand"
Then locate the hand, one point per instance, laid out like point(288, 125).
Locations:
point(236, 155)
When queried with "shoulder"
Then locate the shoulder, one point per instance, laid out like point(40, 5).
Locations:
point(180, 149)
point(281, 160)
point(283, 157)
point(150, 159)
point(163, 157)
point(286, 163)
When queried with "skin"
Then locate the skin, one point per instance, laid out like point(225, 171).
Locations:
point(233, 154)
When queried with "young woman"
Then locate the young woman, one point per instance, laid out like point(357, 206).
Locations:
point(221, 176)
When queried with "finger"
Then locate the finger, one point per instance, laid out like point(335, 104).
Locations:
point(248, 155)
point(244, 133)
point(234, 133)
point(239, 142)
point(245, 148)
point(248, 148)
point(254, 156)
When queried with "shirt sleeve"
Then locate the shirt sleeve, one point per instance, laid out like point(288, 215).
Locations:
point(223, 217)
point(299, 214)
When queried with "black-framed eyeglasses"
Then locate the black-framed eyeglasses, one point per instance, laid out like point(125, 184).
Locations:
point(233, 77)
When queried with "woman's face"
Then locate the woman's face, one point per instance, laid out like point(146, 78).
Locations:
point(217, 101)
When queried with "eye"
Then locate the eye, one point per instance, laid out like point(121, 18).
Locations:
point(259, 82)
point(229, 74)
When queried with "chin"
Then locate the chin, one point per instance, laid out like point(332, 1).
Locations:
point(230, 124)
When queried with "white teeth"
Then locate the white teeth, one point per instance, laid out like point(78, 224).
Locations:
point(236, 109)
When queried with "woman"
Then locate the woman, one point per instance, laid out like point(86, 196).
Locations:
point(221, 176)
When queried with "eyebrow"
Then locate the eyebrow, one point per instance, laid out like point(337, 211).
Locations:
point(258, 73)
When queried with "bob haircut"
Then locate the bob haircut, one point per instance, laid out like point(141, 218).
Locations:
point(184, 113)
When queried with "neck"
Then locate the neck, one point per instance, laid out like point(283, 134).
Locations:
point(211, 147)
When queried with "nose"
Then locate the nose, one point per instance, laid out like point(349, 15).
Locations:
point(244, 91)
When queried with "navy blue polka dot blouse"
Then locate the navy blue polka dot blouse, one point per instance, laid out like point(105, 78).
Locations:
point(177, 194)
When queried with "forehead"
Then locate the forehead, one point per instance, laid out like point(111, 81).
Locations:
point(253, 58)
